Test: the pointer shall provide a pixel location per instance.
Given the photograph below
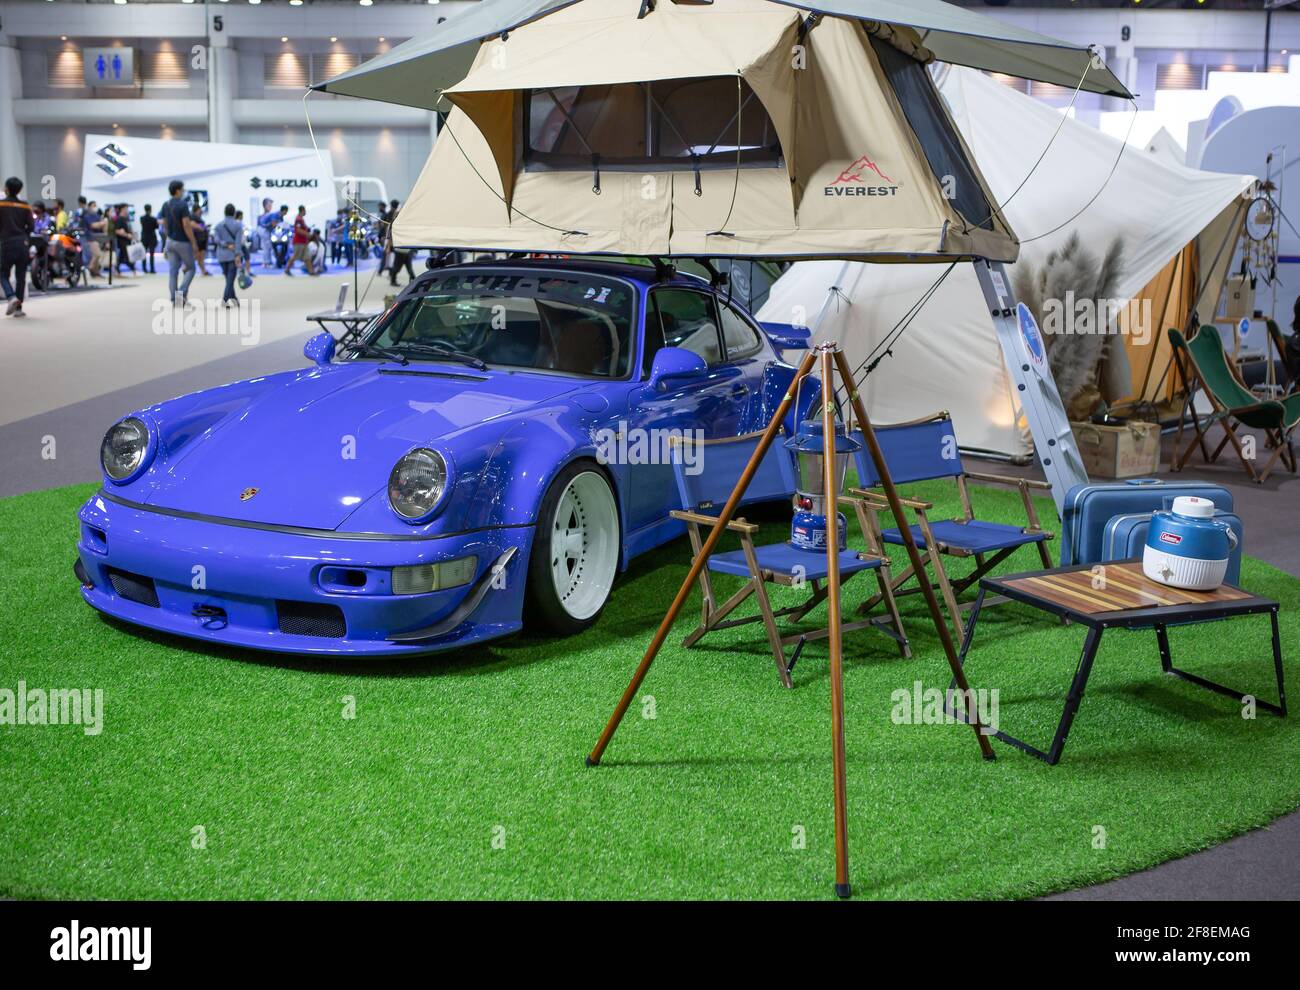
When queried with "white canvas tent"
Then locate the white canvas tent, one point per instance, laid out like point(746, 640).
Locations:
point(950, 357)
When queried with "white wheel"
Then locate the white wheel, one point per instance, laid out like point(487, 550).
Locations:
point(576, 551)
point(584, 546)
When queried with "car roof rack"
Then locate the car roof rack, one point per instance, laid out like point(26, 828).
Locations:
point(717, 279)
point(664, 271)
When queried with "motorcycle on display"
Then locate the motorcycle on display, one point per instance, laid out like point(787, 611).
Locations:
point(55, 259)
point(282, 243)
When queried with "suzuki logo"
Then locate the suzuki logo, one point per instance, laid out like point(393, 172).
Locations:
point(113, 164)
point(248, 493)
point(257, 183)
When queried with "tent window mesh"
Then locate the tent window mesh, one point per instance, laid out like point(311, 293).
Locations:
point(673, 123)
point(934, 129)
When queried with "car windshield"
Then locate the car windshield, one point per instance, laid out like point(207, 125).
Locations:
point(545, 321)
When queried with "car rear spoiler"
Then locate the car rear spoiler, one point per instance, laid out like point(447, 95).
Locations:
point(787, 336)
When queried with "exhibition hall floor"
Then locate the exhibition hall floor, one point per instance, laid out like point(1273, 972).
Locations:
point(696, 802)
point(83, 359)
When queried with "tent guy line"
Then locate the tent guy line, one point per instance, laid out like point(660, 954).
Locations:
point(1097, 195)
point(997, 209)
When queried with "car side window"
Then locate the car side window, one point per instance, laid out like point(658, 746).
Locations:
point(741, 337)
point(689, 320)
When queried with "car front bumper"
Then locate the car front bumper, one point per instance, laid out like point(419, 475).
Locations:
point(294, 591)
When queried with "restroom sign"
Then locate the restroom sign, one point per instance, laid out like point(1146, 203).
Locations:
point(108, 66)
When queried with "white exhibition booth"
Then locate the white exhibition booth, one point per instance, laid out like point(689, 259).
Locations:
point(137, 171)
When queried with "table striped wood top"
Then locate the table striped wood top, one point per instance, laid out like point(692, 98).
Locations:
point(1115, 588)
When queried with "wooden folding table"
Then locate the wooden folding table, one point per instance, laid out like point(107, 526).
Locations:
point(1119, 596)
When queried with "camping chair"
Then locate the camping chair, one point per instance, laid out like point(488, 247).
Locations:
point(926, 450)
point(1288, 365)
point(1202, 365)
point(776, 563)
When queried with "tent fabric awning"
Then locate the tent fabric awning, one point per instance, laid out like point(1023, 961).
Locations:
point(417, 72)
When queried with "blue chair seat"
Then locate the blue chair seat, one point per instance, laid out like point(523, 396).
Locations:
point(973, 537)
point(781, 558)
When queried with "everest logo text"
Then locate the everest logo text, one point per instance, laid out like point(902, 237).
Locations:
point(862, 178)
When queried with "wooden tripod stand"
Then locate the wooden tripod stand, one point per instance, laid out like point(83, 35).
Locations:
point(832, 362)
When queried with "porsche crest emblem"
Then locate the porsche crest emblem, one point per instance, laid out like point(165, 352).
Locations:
point(247, 493)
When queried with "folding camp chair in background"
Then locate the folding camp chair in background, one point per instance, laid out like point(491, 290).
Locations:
point(1203, 366)
point(1290, 365)
point(926, 450)
point(780, 564)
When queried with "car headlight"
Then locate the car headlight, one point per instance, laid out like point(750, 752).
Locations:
point(417, 484)
point(124, 450)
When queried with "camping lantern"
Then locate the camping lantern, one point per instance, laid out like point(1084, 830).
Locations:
point(812, 505)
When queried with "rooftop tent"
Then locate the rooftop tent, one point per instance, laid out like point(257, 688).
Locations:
point(733, 129)
point(1173, 221)
point(416, 72)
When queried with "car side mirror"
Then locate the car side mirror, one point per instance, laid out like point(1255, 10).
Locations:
point(676, 366)
point(787, 336)
point(320, 349)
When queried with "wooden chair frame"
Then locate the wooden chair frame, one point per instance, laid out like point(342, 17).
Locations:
point(1278, 438)
point(715, 615)
point(935, 550)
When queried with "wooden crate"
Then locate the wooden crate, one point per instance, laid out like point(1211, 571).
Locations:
point(1128, 451)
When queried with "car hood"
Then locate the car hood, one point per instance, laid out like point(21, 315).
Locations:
point(318, 446)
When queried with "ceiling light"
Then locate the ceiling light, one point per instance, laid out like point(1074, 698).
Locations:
point(333, 39)
point(383, 39)
point(365, 3)
point(120, 2)
point(254, 3)
point(295, 3)
point(284, 39)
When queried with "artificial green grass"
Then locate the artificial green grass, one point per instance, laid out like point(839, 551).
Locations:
point(462, 775)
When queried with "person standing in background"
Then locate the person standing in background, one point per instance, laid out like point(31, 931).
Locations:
point(200, 240)
point(179, 227)
point(228, 236)
point(124, 236)
point(60, 217)
point(301, 236)
point(334, 235)
point(149, 238)
point(401, 259)
point(281, 246)
point(245, 243)
point(92, 229)
point(16, 225)
point(266, 224)
point(381, 233)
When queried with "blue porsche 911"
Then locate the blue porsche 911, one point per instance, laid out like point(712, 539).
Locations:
point(486, 453)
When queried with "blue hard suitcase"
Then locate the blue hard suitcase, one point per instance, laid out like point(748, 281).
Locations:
point(1089, 508)
point(1126, 536)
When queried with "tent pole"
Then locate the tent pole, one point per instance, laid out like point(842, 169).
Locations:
point(909, 542)
point(830, 497)
point(701, 561)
